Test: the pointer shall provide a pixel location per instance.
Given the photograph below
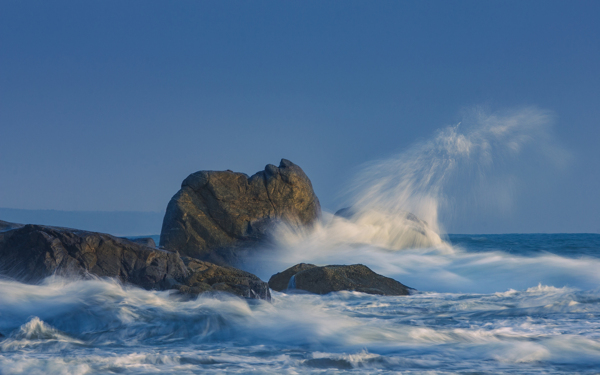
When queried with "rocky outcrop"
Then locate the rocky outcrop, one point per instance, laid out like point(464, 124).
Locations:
point(33, 252)
point(281, 280)
point(322, 280)
point(30, 253)
point(205, 277)
point(217, 211)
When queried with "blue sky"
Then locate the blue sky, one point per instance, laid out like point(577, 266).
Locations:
point(108, 105)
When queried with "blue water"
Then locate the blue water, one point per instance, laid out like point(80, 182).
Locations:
point(568, 245)
point(487, 304)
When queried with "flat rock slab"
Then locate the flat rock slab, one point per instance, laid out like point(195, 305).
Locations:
point(30, 253)
point(335, 278)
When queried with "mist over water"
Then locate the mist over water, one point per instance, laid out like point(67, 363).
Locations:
point(511, 303)
point(472, 161)
point(398, 207)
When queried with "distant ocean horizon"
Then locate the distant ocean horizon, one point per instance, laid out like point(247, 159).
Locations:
point(129, 223)
point(118, 223)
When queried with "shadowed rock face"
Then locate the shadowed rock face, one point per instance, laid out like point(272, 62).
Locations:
point(280, 281)
point(224, 209)
point(33, 252)
point(205, 276)
point(30, 253)
point(322, 280)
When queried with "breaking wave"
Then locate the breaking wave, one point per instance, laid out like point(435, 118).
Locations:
point(488, 304)
point(105, 327)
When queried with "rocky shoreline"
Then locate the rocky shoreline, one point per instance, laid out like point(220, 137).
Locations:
point(215, 217)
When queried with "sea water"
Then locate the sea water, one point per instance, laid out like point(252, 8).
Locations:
point(483, 304)
point(514, 303)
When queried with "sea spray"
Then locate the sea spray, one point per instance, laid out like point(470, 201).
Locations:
point(467, 159)
point(491, 304)
point(397, 203)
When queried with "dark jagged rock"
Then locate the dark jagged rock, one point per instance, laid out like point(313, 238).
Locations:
point(205, 276)
point(217, 212)
point(280, 281)
point(30, 253)
point(356, 277)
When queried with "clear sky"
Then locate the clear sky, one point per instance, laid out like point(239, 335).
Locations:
point(109, 105)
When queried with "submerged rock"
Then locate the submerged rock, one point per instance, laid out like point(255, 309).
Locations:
point(30, 253)
point(323, 280)
point(217, 211)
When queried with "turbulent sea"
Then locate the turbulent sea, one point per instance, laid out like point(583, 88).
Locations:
point(512, 303)
point(483, 304)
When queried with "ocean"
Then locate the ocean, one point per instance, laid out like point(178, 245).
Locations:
point(484, 304)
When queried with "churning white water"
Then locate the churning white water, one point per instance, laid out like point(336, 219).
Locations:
point(513, 303)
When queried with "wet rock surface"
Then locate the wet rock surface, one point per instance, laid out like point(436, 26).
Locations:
point(218, 212)
point(334, 278)
point(30, 253)
point(280, 281)
point(207, 277)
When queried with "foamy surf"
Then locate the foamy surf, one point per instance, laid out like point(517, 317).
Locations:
point(110, 328)
point(485, 304)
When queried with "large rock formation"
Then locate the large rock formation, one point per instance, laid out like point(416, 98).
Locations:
point(30, 253)
point(223, 210)
point(322, 280)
